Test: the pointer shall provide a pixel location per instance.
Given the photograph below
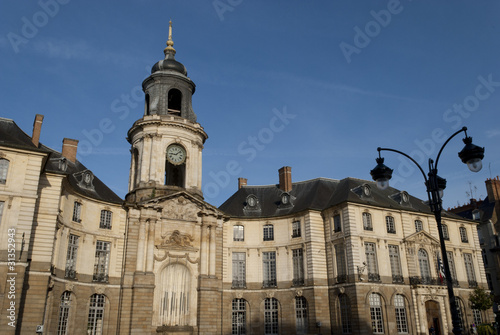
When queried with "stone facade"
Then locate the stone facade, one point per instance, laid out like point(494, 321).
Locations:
point(320, 256)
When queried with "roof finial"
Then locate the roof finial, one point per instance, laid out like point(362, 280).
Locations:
point(170, 43)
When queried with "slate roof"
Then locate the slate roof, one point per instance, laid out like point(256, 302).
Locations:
point(319, 194)
point(13, 136)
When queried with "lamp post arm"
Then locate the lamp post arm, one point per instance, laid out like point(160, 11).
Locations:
point(407, 156)
point(464, 129)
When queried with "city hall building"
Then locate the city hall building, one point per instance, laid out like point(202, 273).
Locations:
point(321, 256)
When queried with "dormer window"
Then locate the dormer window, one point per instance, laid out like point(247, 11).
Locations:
point(476, 215)
point(367, 191)
point(174, 102)
point(63, 164)
point(252, 202)
point(405, 197)
point(285, 198)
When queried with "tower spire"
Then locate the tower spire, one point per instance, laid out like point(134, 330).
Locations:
point(170, 43)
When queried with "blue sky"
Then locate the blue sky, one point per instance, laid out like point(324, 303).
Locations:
point(317, 86)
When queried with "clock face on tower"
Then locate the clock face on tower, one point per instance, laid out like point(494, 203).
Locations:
point(176, 154)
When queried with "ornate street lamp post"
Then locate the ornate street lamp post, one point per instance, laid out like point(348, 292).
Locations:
point(472, 155)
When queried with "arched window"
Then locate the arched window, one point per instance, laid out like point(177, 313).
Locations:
point(64, 306)
point(136, 173)
point(175, 293)
point(367, 221)
point(400, 311)
point(423, 262)
point(271, 316)
point(4, 168)
point(301, 315)
point(174, 102)
point(96, 314)
point(239, 317)
point(147, 111)
point(345, 314)
point(376, 314)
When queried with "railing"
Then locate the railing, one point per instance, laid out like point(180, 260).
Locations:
point(391, 231)
point(370, 228)
point(100, 277)
point(269, 283)
point(239, 284)
point(397, 279)
point(472, 283)
point(298, 282)
point(70, 274)
point(341, 279)
point(374, 277)
point(426, 281)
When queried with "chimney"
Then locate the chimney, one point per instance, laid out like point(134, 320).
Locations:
point(242, 182)
point(37, 127)
point(69, 149)
point(285, 174)
point(493, 189)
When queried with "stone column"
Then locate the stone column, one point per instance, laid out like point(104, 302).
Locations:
point(150, 246)
point(141, 245)
point(203, 249)
point(212, 250)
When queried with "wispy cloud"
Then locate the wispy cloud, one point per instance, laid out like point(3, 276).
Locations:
point(492, 133)
point(79, 50)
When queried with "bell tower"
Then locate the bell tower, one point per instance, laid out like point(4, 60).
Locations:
point(167, 141)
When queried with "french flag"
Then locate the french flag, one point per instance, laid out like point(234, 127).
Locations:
point(441, 270)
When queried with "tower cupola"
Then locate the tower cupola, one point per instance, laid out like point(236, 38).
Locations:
point(168, 89)
point(167, 142)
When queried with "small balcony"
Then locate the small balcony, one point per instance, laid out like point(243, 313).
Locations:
point(269, 283)
point(374, 277)
point(239, 284)
point(298, 282)
point(100, 277)
point(341, 279)
point(70, 273)
point(472, 284)
point(397, 279)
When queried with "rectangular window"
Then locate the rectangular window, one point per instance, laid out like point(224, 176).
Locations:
point(337, 223)
point(444, 229)
point(2, 203)
point(489, 281)
point(418, 225)
point(367, 221)
point(4, 168)
point(451, 264)
point(101, 265)
point(239, 269)
point(296, 229)
point(298, 267)
point(371, 262)
point(391, 226)
point(268, 232)
point(77, 211)
point(238, 233)
point(105, 222)
point(469, 269)
point(395, 261)
point(269, 269)
point(71, 256)
point(463, 235)
point(476, 313)
point(341, 263)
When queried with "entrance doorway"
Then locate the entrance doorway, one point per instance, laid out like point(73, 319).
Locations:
point(433, 316)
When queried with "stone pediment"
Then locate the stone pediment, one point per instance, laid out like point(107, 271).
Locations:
point(181, 206)
point(422, 237)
